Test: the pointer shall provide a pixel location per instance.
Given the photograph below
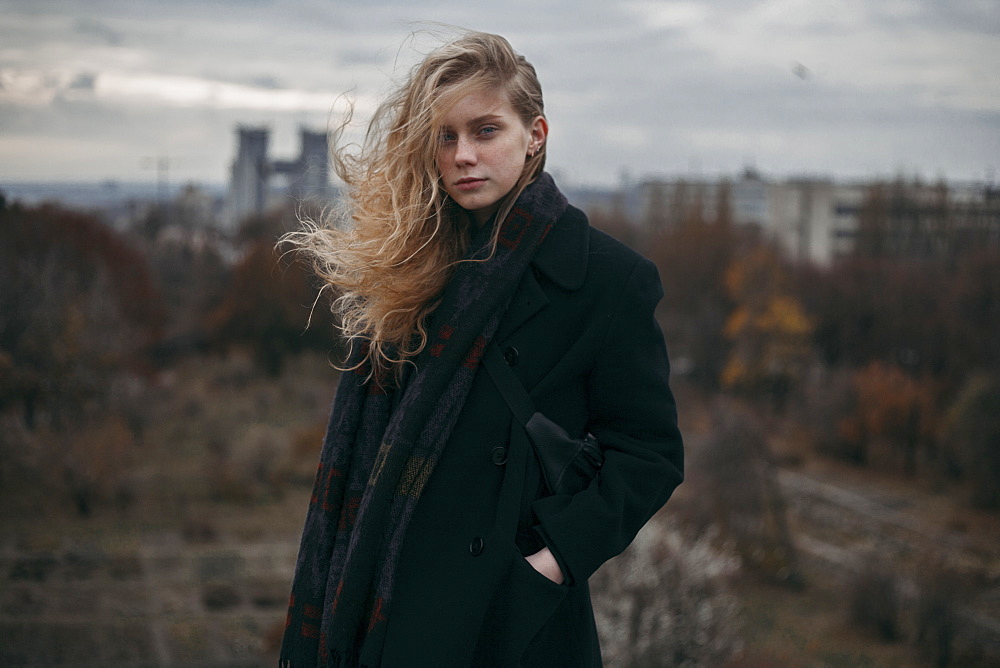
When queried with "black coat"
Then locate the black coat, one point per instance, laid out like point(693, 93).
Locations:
point(582, 338)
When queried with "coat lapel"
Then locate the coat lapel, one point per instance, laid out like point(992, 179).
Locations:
point(528, 300)
point(562, 258)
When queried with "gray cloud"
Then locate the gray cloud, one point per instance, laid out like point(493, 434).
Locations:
point(652, 87)
point(83, 81)
point(95, 28)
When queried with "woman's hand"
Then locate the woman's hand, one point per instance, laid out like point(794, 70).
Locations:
point(543, 562)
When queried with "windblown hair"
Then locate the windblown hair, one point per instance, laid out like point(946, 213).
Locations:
point(388, 253)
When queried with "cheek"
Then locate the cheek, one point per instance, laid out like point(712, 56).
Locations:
point(511, 155)
point(441, 162)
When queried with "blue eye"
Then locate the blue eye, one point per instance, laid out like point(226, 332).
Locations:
point(446, 136)
point(488, 130)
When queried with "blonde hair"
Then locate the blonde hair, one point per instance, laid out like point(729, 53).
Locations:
point(388, 253)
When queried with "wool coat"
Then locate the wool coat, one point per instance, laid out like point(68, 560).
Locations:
point(581, 336)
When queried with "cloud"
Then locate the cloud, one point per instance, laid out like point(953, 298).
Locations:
point(651, 85)
point(39, 88)
point(677, 15)
point(83, 81)
point(265, 81)
point(187, 91)
point(95, 28)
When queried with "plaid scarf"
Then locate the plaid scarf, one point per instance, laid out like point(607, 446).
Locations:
point(380, 450)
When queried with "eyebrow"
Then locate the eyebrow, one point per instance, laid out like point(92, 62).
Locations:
point(484, 118)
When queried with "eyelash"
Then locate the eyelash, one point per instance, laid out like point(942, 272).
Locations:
point(447, 137)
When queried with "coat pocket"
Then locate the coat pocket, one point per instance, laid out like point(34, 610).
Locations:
point(521, 605)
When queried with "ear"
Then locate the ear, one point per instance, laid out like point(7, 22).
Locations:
point(539, 131)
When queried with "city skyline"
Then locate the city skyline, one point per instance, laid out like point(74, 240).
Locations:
point(103, 90)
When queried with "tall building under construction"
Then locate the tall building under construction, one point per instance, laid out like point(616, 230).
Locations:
point(256, 181)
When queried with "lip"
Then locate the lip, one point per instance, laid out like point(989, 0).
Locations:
point(469, 183)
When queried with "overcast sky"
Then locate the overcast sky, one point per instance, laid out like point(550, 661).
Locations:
point(97, 89)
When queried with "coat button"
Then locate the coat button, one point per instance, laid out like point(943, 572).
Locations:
point(511, 355)
point(476, 546)
point(499, 455)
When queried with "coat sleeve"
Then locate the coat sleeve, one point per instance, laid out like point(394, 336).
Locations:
point(633, 415)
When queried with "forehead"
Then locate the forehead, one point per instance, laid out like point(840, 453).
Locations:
point(478, 104)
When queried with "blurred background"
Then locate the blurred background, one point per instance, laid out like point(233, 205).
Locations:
point(815, 181)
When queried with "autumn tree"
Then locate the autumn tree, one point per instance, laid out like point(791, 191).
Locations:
point(892, 311)
point(692, 258)
point(893, 420)
point(769, 330)
point(612, 220)
point(77, 306)
point(271, 305)
point(970, 303)
point(191, 272)
point(921, 288)
point(78, 313)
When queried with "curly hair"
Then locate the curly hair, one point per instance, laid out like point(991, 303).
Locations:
point(389, 250)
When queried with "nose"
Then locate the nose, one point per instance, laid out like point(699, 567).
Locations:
point(465, 151)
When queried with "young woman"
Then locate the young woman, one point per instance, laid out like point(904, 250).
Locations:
point(432, 537)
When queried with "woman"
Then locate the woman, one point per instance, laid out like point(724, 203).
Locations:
point(432, 538)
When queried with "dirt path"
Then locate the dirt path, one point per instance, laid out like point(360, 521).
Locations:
point(849, 528)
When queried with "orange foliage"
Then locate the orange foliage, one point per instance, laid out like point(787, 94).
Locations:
point(266, 307)
point(894, 418)
point(769, 330)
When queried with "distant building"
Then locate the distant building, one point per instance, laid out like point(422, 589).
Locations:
point(813, 219)
point(799, 213)
point(917, 220)
point(818, 219)
point(256, 181)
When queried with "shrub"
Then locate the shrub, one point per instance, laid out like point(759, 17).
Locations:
point(737, 475)
point(891, 422)
point(827, 396)
point(875, 599)
point(668, 601)
point(972, 432)
point(83, 468)
point(936, 621)
point(249, 468)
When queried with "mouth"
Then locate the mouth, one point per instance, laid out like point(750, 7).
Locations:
point(469, 183)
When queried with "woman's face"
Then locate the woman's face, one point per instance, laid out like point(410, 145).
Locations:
point(482, 150)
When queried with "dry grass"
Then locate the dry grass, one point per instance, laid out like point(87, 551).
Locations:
point(813, 627)
point(223, 452)
point(226, 455)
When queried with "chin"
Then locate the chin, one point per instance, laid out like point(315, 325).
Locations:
point(475, 203)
